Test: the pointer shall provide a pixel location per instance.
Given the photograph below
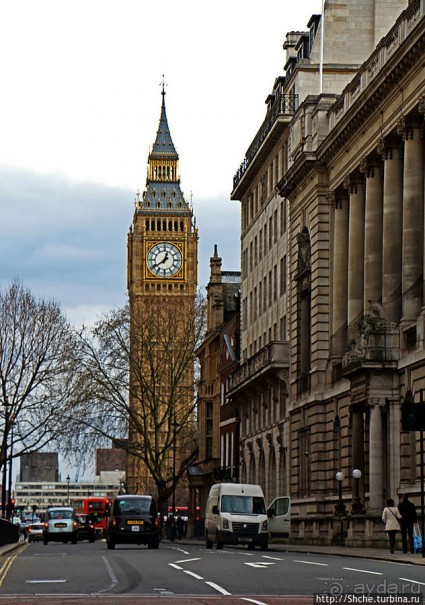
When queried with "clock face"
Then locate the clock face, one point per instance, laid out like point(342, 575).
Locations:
point(164, 259)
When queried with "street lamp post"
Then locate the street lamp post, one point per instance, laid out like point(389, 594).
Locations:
point(357, 507)
point(340, 506)
point(173, 503)
point(4, 456)
point(9, 499)
point(68, 479)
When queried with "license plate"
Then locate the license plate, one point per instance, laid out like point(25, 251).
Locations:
point(135, 528)
point(245, 540)
point(135, 522)
point(60, 525)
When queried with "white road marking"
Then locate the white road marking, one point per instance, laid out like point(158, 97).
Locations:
point(218, 588)
point(260, 564)
point(375, 573)
point(188, 560)
point(45, 581)
point(191, 573)
point(273, 558)
point(253, 601)
point(111, 574)
point(175, 566)
point(412, 581)
point(312, 563)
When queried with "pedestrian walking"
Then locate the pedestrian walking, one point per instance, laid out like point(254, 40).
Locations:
point(408, 518)
point(391, 516)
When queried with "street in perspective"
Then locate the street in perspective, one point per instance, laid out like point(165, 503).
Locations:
point(218, 395)
point(185, 571)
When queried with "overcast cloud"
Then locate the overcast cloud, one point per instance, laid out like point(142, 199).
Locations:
point(80, 108)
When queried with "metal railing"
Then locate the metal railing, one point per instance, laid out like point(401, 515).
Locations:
point(283, 105)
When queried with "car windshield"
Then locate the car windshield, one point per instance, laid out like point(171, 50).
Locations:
point(243, 505)
point(60, 514)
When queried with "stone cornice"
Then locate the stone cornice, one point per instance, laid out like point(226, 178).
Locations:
point(407, 55)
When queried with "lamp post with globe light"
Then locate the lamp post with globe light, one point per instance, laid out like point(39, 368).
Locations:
point(340, 506)
point(357, 506)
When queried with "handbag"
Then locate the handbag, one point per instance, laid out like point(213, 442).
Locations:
point(417, 538)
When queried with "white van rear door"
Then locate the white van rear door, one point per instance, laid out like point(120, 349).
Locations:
point(279, 522)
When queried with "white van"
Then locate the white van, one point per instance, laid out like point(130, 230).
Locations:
point(236, 514)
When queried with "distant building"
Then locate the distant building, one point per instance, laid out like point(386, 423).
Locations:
point(48, 493)
point(40, 466)
point(110, 459)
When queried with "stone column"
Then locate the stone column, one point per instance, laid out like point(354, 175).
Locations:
point(372, 169)
point(355, 186)
point(375, 458)
point(392, 154)
point(413, 219)
point(339, 201)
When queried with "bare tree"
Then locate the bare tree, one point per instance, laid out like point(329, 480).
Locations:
point(137, 387)
point(36, 344)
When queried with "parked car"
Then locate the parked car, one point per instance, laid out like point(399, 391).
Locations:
point(35, 532)
point(60, 525)
point(85, 528)
point(134, 520)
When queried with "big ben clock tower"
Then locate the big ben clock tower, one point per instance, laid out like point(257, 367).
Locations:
point(161, 280)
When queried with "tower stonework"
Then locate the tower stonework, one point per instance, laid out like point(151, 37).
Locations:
point(162, 270)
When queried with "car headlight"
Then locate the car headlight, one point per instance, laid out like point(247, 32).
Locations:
point(225, 523)
point(264, 526)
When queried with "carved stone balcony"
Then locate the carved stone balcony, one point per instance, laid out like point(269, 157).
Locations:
point(270, 363)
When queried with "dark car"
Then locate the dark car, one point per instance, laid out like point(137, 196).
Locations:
point(86, 529)
point(133, 520)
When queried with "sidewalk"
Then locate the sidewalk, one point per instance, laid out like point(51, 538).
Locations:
point(341, 551)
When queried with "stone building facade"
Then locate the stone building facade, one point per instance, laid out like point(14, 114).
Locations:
point(218, 422)
point(332, 286)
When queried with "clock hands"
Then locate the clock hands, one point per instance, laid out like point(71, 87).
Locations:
point(161, 262)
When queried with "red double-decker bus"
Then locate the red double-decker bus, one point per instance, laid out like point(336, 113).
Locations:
point(98, 508)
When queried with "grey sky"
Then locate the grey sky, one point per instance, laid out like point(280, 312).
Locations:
point(80, 108)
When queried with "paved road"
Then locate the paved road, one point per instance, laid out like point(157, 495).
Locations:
point(188, 573)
